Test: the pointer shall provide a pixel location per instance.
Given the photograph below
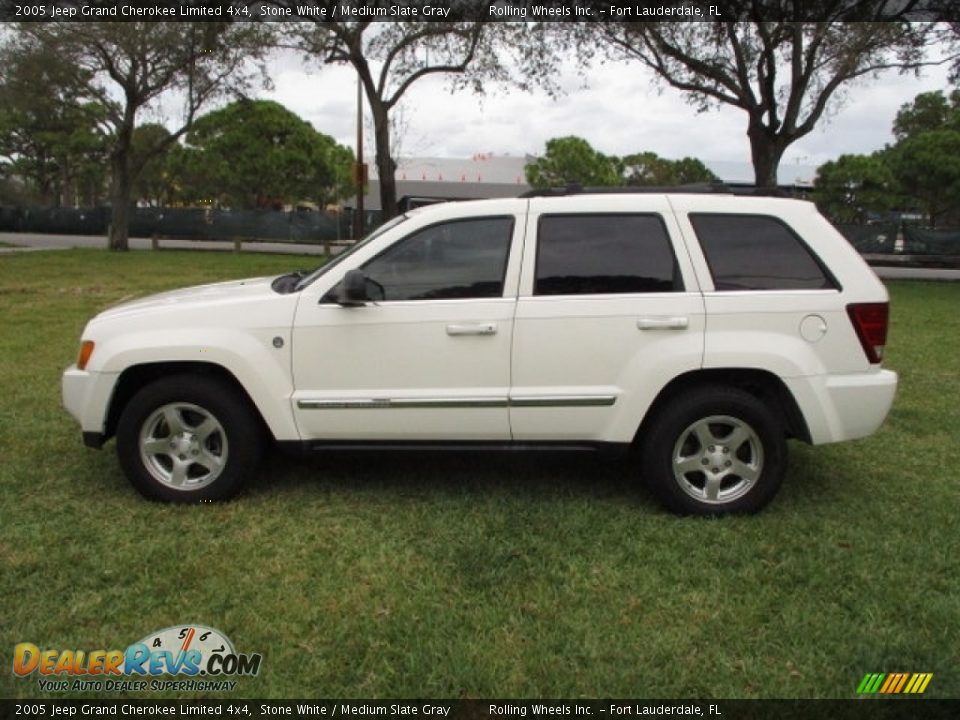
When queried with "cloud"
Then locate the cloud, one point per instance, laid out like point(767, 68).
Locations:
point(618, 107)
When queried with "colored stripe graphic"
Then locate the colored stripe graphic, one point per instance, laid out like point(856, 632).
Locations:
point(888, 682)
point(894, 683)
point(871, 683)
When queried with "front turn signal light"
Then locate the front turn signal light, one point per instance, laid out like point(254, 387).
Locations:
point(86, 350)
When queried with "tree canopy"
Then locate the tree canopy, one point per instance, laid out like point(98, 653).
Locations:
point(920, 172)
point(257, 153)
point(572, 159)
point(52, 131)
point(139, 62)
point(390, 57)
point(927, 165)
point(648, 168)
point(928, 111)
point(782, 74)
point(852, 187)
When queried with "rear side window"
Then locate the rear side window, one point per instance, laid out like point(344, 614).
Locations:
point(756, 252)
point(598, 254)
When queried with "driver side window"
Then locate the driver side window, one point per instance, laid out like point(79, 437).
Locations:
point(456, 259)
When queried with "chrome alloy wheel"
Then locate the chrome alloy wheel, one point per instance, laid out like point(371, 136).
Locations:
point(183, 446)
point(717, 459)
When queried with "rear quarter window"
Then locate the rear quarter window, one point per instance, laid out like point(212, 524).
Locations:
point(758, 252)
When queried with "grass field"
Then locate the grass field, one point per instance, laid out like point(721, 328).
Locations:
point(484, 576)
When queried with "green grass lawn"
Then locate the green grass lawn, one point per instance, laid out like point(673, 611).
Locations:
point(483, 576)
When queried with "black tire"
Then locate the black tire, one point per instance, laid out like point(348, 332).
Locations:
point(715, 450)
point(216, 449)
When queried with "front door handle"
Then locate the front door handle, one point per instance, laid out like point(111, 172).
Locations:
point(487, 328)
point(663, 323)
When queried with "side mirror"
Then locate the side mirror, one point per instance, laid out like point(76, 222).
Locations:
point(353, 289)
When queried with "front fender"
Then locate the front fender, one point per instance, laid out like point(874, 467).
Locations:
point(249, 355)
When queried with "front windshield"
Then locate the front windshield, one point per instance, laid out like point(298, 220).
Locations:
point(349, 251)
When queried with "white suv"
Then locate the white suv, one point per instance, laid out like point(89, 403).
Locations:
point(701, 329)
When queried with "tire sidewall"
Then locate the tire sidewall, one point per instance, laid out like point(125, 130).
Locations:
point(687, 409)
point(215, 397)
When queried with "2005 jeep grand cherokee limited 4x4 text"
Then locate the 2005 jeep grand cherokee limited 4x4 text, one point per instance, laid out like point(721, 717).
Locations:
point(703, 330)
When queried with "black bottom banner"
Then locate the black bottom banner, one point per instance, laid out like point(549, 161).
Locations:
point(867, 709)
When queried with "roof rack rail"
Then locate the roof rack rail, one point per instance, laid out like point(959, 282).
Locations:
point(690, 189)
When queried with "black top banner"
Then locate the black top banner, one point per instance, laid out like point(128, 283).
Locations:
point(481, 10)
point(469, 709)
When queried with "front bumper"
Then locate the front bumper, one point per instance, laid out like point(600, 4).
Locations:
point(94, 440)
point(86, 396)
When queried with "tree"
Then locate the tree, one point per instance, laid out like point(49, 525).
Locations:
point(924, 159)
point(928, 111)
point(690, 170)
point(256, 152)
point(783, 74)
point(190, 179)
point(572, 160)
point(140, 62)
point(920, 172)
point(852, 186)
point(390, 57)
point(52, 133)
point(648, 168)
point(927, 165)
point(152, 184)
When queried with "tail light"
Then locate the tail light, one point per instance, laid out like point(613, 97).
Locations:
point(870, 320)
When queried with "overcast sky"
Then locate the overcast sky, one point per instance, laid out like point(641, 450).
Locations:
point(619, 111)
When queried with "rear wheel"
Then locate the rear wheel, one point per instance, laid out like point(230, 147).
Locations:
point(715, 451)
point(188, 438)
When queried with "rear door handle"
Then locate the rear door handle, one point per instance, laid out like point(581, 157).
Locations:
point(487, 328)
point(663, 323)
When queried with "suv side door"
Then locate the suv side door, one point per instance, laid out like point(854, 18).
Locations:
point(609, 311)
point(429, 359)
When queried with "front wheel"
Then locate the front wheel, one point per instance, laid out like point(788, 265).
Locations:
point(715, 451)
point(188, 438)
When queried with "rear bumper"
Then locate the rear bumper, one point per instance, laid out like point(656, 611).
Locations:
point(844, 407)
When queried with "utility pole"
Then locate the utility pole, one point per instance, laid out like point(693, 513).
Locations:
point(358, 171)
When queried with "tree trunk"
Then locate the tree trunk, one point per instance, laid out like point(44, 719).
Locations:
point(46, 194)
point(120, 182)
point(63, 190)
point(933, 211)
point(766, 150)
point(45, 186)
point(386, 167)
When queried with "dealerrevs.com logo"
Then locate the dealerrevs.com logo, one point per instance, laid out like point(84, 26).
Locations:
point(204, 655)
